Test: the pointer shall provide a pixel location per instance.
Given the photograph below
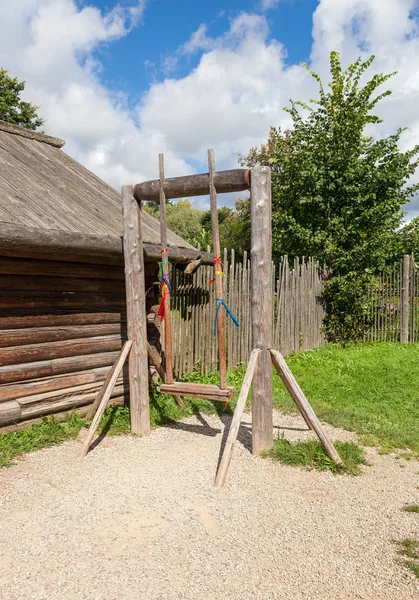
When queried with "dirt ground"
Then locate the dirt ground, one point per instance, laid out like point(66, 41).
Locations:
point(138, 518)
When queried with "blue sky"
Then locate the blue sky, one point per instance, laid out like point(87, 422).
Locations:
point(136, 61)
point(122, 80)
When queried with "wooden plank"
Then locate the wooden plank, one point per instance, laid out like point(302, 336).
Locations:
point(42, 335)
point(10, 412)
point(30, 134)
point(168, 344)
point(136, 313)
point(235, 180)
point(237, 417)
point(198, 390)
point(55, 268)
point(218, 283)
point(303, 404)
point(261, 302)
point(70, 318)
point(50, 384)
point(49, 300)
point(404, 300)
point(71, 284)
point(38, 352)
point(103, 397)
point(46, 368)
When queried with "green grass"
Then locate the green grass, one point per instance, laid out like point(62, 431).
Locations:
point(372, 389)
point(48, 433)
point(312, 455)
point(409, 549)
point(411, 508)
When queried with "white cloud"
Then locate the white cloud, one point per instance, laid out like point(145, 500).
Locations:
point(268, 4)
point(228, 102)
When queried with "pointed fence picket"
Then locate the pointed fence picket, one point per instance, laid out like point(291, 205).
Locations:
point(297, 322)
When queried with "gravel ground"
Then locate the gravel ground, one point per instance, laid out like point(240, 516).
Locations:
point(139, 519)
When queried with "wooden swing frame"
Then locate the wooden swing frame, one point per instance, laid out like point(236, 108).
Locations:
point(263, 355)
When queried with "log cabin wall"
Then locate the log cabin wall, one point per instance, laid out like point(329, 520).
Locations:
point(62, 325)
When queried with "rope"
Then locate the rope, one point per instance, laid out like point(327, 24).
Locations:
point(220, 302)
point(165, 285)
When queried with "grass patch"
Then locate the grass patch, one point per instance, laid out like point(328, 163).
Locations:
point(372, 389)
point(409, 549)
point(411, 508)
point(43, 435)
point(312, 455)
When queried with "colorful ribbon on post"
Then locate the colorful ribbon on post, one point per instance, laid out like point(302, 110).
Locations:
point(220, 302)
point(218, 268)
point(165, 287)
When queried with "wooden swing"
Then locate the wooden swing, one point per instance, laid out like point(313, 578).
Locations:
point(223, 392)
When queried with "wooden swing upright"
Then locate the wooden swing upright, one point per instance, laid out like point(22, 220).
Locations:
point(263, 355)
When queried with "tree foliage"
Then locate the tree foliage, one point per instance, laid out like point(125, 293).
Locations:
point(12, 108)
point(338, 193)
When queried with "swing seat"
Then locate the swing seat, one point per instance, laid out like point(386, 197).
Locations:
point(198, 390)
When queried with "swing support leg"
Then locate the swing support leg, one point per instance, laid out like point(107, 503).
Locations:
point(303, 404)
point(237, 417)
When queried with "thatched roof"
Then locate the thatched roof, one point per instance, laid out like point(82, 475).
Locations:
point(41, 186)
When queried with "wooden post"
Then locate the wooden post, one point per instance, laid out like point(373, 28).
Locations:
point(217, 276)
point(303, 404)
point(153, 355)
point(136, 313)
point(237, 417)
point(404, 324)
point(261, 303)
point(165, 269)
point(104, 394)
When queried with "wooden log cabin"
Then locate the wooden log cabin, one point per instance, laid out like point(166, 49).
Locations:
point(62, 288)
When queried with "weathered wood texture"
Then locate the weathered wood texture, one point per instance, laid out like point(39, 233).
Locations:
point(393, 304)
point(104, 395)
point(33, 242)
point(136, 313)
point(235, 180)
point(297, 322)
point(54, 356)
point(261, 307)
point(218, 276)
point(303, 404)
point(198, 390)
point(237, 417)
point(42, 187)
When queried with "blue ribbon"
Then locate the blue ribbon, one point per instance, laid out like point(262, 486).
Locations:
point(165, 278)
point(230, 314)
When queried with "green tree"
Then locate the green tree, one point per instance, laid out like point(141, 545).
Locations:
point(12, 108)
point(181, 217)
point(338, 192)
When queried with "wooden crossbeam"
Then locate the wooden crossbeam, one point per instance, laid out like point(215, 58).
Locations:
point(234, 180)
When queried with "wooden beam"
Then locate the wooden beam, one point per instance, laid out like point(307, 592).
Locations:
point(237, 417)
point(303, 404)
point(198, 390)
point(235, 180)
point(102, 399)
point(46, 244)
point(167, 323)
point(261, 307)
point(136, 313)
point(30, 134)
point(404, 300)
point(218, 277)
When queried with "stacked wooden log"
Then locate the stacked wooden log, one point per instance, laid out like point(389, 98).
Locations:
point(62, 325)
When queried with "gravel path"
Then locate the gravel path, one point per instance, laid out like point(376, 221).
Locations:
point(139, 519)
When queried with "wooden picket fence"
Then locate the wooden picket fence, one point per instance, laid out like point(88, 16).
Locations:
point(297, 312)
point(393, 304)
